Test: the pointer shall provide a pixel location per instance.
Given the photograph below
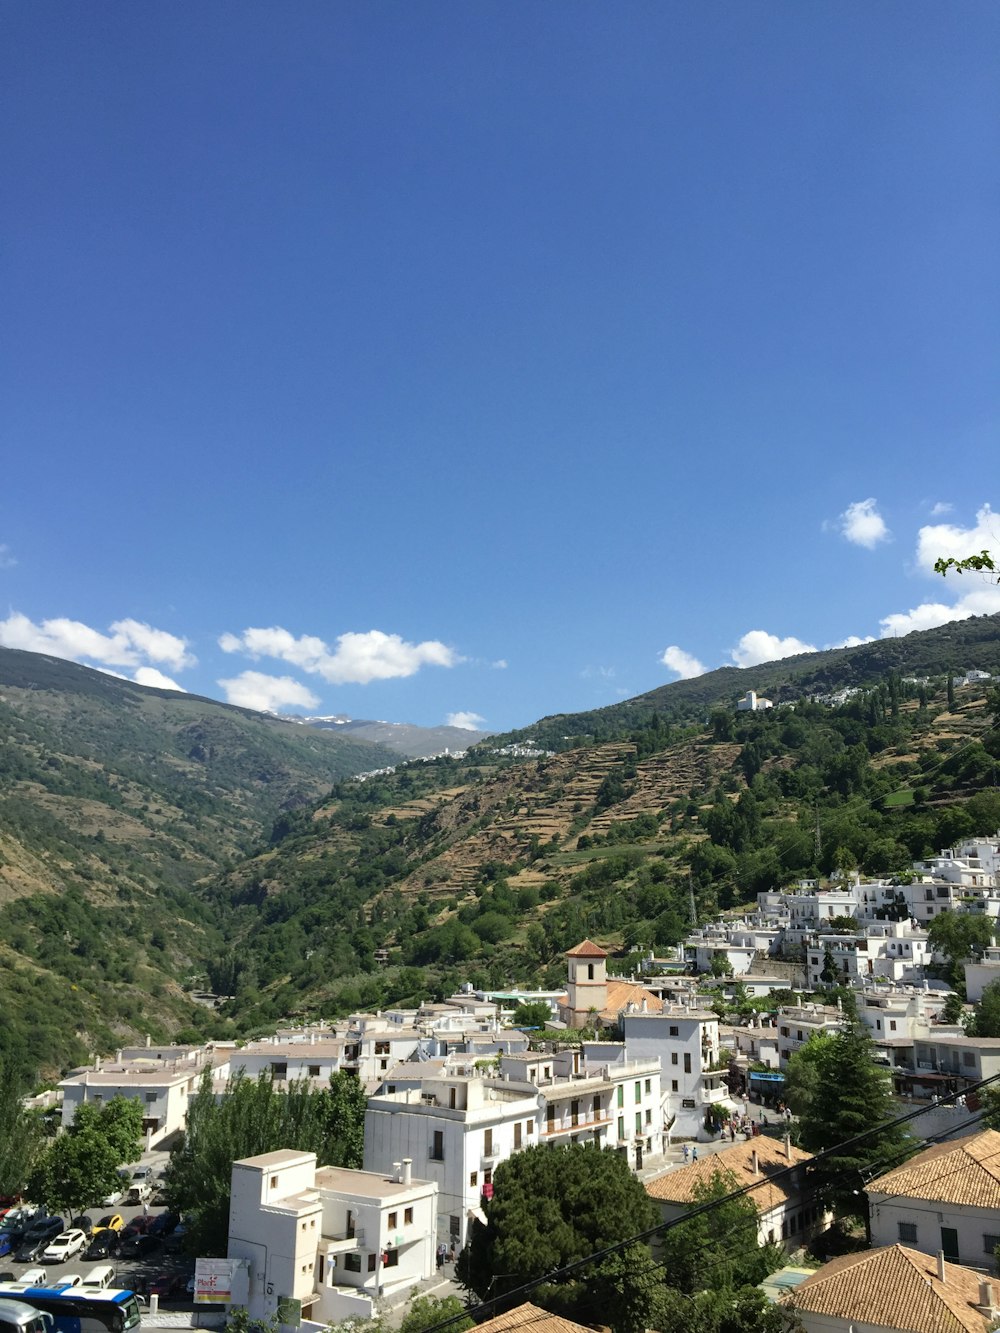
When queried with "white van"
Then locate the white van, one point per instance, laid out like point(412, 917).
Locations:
point(140, 1192)
point(17, 1317)
point(102, 1276)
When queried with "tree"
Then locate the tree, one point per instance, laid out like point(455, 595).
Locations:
point(75, 1171)
point(960, 936)
point(804, 1075)
point(427, 1311)
point(552, 1207)
point(745, 1310)
point(253, 1117)
point(854, 1095)
point(718, 1248)
point(953, 1009)
point(80, 1167)
point(986, 1019)
point(533, 1014)
point(20, 1132)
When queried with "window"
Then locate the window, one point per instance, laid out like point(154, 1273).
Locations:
point(590, 971)
point(393, 1221)
point(673, 1057)
point(638, 1122)
point(352, 1262)
point(648, 1087)
point(391, 1258)
point(150, 1097)
point(371, 1263)
point(437, 1146)
point(530, 1126)
point(968, 1057)
point(279, 1069)
point(314, 1071)
point(488, 1143)
point(454, 1227)
point(638, 1091)
point(687, 1062)
point(907, 1231)
point(673, 1085)
point(621, 1094)
point(675, 1032)
point(892, 1025)
point(381, 1048)
point(473, 1179)
point(649, 1117)
point(990, 1243)
point(274, 1182)
point(621, 1126)
point(407, 1217)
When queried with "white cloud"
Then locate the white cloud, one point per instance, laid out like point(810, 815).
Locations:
point(942, 507)
point(128, 643)
point(947, 539)
point(862, 524)
point(500, 664)
point(7, 559)
point(357, 659)
point(466, 721)
point(757, 646)
point(685, 664)
point(151, 676)
point(984, 601)
point(267, 694)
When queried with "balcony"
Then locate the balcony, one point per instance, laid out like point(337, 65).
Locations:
point(555, 1129)
point(352, 1239)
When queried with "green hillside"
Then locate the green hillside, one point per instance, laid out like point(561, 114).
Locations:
point(406, 885)
point(115, 800)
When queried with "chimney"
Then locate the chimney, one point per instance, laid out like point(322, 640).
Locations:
point(788, 1147)
point(755, 1163)
point(148, 1041)
point(940, 1266)
point(986, 1306)
point(407, 1170)
point(97, 1064)
point(312, 1038)
point(397, 1172)
point(118, 1057)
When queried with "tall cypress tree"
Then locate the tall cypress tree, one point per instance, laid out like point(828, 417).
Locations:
point(857, 1098)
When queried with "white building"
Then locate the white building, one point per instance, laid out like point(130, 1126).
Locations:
point(161, 1079)
point(798, 1023)
point(456, 1130)
point(946, 1199)
point(334, 1240)
point(752, 702)
point(692, 1063)
point(892, 950)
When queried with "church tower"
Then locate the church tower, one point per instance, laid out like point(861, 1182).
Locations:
point(587, 987)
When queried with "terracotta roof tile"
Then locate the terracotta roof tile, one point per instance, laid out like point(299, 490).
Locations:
point(528, 1318)
point(587, 949)
point(623, 993)
point(894, 1288)
point(959, 1171)
point(679, 1186)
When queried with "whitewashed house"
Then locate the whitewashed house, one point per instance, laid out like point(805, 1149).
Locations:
point(332, 1241)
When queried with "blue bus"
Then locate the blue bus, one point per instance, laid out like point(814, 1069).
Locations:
point(79, 1309)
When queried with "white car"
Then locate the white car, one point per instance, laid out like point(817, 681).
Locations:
point(34, 1277)
point(67, 1245)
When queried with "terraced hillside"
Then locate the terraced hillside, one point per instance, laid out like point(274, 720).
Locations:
point(441, 873)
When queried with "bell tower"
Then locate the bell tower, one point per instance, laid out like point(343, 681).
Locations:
point(587, 985)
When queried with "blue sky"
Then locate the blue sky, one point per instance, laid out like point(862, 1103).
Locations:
point(493, 359)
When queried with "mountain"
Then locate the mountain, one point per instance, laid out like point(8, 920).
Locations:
point(486, 869)
point(115, 800)
point(406, 739)
point(948, 649)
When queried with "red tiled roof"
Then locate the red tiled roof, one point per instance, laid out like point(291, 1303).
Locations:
point(588, 949)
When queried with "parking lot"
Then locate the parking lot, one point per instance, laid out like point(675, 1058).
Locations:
point(165, 1268)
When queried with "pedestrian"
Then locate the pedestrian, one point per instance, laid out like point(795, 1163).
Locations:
point(442, 1250)
point(145, 1208)
point(451, 1253)
point(686, 1152)
point(732, 1133)
point(694, 1153)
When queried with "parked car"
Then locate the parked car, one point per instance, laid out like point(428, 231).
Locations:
point(110, 1222)
point(38, 1235)
point(163, 1223)
point(139, 1226)
point(69, 1280)
point(10, 1240)
point(104, 1275)
point(142, 1173)
point(139, 1193)
point(84, 1224)
point(139, 1247)
point(67, 1245)
point(35, 1277)
point(168, 1286)
point(115, 1196)
point(104, 1245)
